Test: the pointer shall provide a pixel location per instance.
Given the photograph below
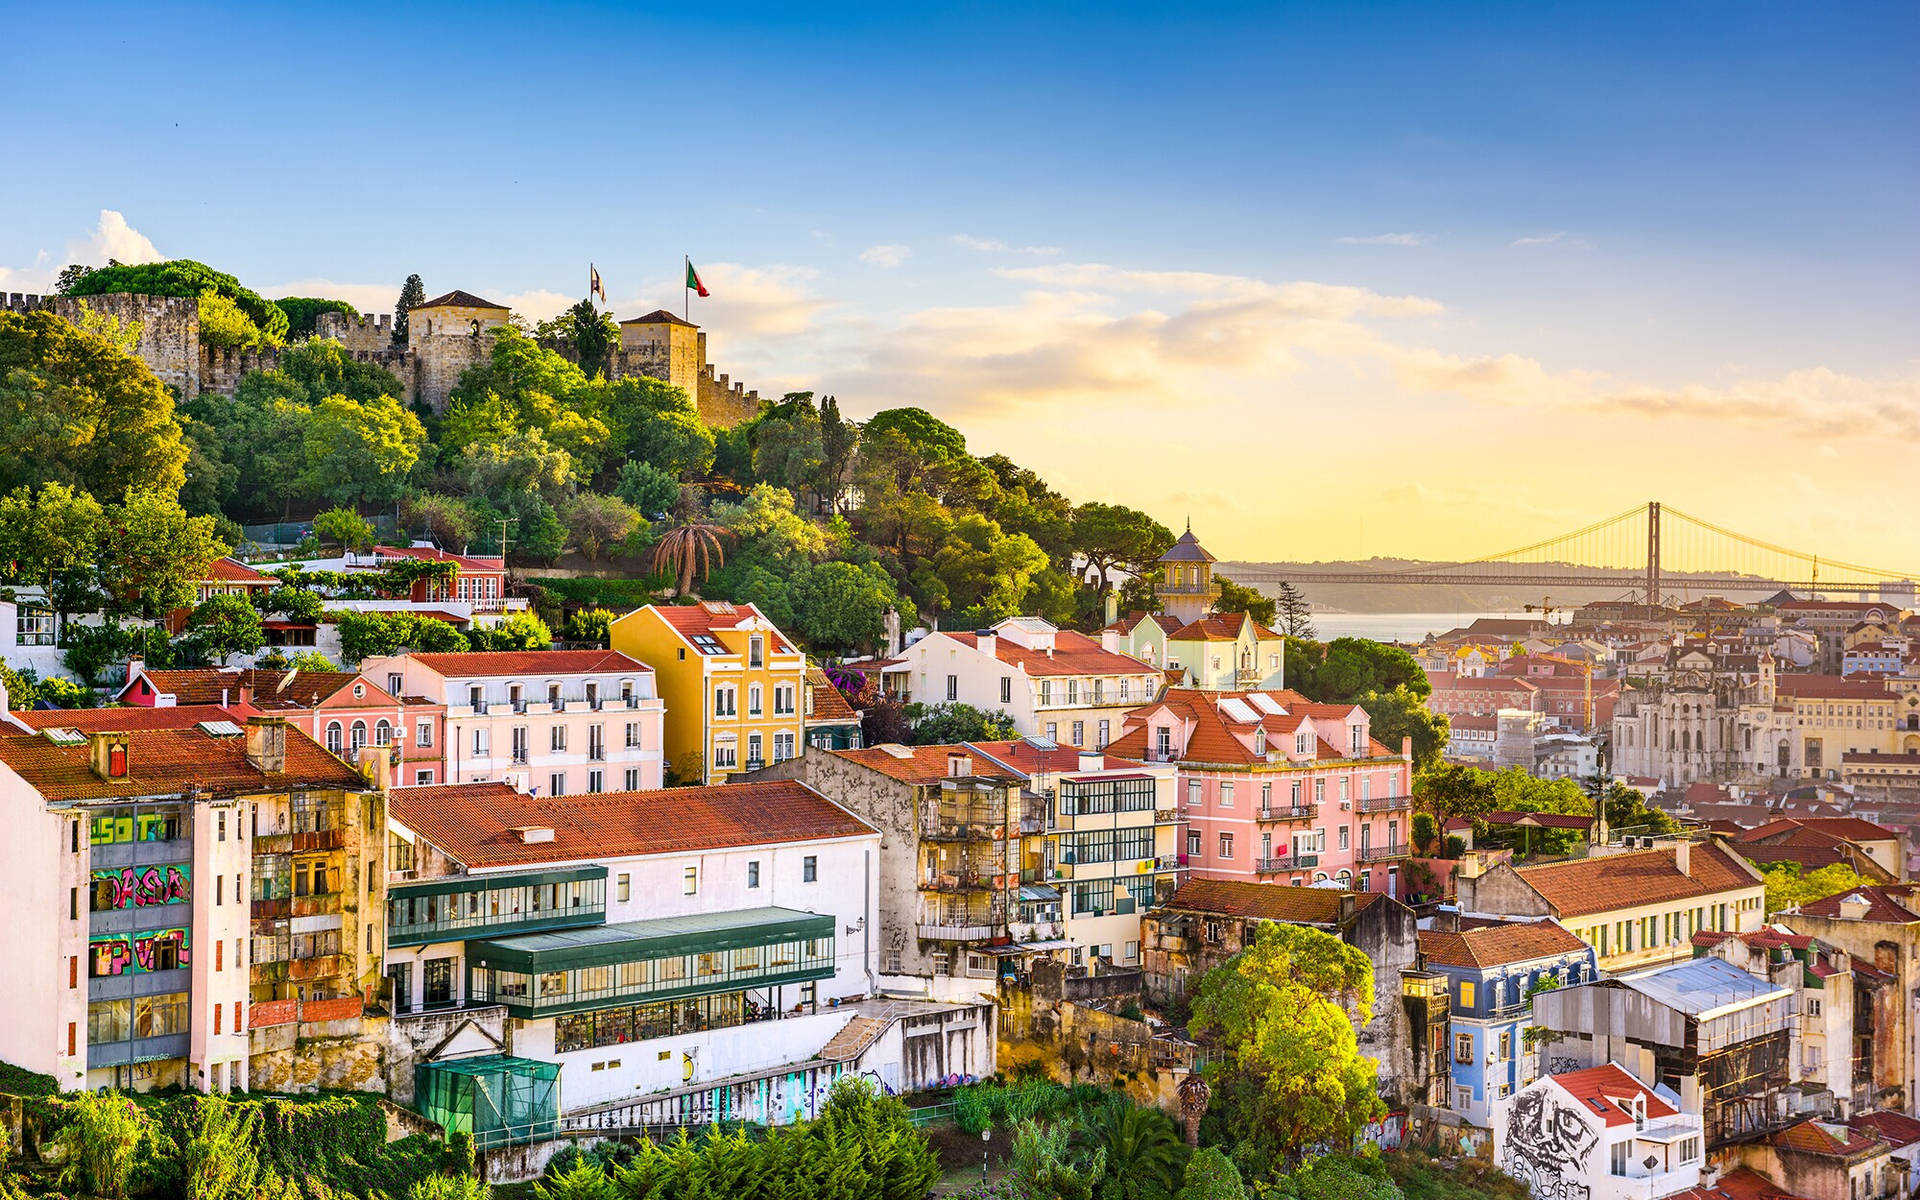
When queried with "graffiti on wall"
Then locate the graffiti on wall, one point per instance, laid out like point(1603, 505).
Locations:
point(138, 953)
point(1547, 1145)
point(113, 827)
point(144, 887)
point(1388, 1133)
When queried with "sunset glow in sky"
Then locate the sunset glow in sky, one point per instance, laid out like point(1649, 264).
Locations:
point(1396, 281)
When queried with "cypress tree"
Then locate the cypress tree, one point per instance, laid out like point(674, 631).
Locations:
point(413, 293)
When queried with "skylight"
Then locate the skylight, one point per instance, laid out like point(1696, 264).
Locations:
point(62, 736)
point(220, 729)
point(1266, 704)
point(1238, 712)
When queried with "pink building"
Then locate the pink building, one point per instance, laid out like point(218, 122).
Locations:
point(1276, 789)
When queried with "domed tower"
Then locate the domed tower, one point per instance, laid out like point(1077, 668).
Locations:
point(1186, 588)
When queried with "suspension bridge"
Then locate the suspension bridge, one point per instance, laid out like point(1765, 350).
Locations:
point(1627, 550)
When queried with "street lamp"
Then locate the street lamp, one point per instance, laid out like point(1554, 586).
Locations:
point(986, 1135)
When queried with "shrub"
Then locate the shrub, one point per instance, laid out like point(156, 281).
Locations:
point(100, 1138)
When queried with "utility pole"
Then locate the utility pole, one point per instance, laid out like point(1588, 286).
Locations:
point(1653, 556)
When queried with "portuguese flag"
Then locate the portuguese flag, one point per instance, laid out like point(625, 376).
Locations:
point(693, 280)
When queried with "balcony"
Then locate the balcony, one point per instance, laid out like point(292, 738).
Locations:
point(1374, 804)
point(963, 827)
point(462, 907)
point(957, 933)
point(967, 881)
point(754, 764)
point(1286, 862)
point(1187, 589)
point(1290, 812)
point(1166, 816)
point(1370, 854)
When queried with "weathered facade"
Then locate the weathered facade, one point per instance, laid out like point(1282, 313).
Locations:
point(1880, 926)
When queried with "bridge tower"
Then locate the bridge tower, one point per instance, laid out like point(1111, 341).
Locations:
point(1653, 555)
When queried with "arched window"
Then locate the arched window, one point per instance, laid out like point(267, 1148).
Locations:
point(333, 736)
point(383, 732)
point(359, 734)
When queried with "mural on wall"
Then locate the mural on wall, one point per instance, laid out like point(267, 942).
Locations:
point(1388, 1133)
point(138, 953)
point(143, 887)
point(109, 828)
point(1547, 1145)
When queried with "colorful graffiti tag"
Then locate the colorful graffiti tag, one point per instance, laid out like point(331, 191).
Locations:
point(112, 827)
point(144, 887)
point(138, 953)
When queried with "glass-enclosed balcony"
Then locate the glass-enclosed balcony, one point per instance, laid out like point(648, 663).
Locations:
point(478, 906)
point(563, 971)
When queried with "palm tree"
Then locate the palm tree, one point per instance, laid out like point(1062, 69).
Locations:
point(689, 549)
point(1143, 1150)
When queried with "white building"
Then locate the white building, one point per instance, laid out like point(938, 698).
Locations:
point(683, 956)
point(1598, 1133)
point(553, 722)
point(1054, 683)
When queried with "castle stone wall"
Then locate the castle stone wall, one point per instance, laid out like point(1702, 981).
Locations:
point(169, 328)
point(372, 332)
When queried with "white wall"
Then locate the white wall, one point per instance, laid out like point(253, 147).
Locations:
point(39, 935)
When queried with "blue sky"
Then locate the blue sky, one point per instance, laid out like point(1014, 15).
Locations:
point(1398, 241)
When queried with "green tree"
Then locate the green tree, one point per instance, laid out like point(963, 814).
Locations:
point(312, 660)
point(75, 409)
point(649, 489)
point(322, 367)
point(51, 538)
point(1211, 1175)
point(596, 522)
point(591, 334)
point(1399, 713)
point(1143, 1151)
point(1281, 1015)
point(448, 521)
point(224, 625)
point(838, 440)
point(500, 473)
point(220, 1160)
point(413, 294)
point(842, 609)
point(1340, 1177)
point(1237, 599)
point(361, 450)
point(1344, 670)
point(521, 630)
point(934, 438)
point(303, 313)
point(949, 722)
point(1046, 1160)
point(461, 1186)
point(585, 1180)
point(1449, 791)
point(100, 1142)
point(96, 653)
point(154, 553)
point(185, 277)
point(588, 625)
point(1789, 886)
point(345, 528)
point(226, 325)
point(1113, 535)
point(688, 550)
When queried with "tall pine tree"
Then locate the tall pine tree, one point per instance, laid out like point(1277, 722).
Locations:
point(413, 293)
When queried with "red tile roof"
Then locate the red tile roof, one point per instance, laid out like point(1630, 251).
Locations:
point(126, 717)
point(659, 316)
point(476, 823)
point(232, 570)
point(1853, 829)
point(1830, 687)
point(1818, 1137)
point(170, 761)
point(1212, 733)
point(1073, 654)
point(1131, 621)
point(1892, 903)
point(1271, 902)
point(271, 689)
point(1499, 945)
point(1742, 1183)
point(919, 764)
point(1583, 886)
point(1897, 1128)
point(692, 620)
point(830, 707)
point(1220, 627)
point(530, 662)
point(435, 554)
point(1602, 1089)
point(459, 299)
point(1029, 759)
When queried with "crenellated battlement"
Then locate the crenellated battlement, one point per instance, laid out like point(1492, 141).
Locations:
point(368, 331)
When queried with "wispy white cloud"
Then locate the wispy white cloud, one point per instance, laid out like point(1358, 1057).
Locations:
point(539, 304)
point(768, 302)
point(890, 254)
point(1556, 238)
point(112, 238)
point(367, 297)
point(996, 246)
point(1385, 239)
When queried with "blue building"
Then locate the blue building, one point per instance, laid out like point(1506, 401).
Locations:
point(1490, 969)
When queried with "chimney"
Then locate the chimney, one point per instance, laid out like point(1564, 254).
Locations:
point(1112, 606)
point(1349, 903)
point(959, 763)
point(267, 743)
point(988, 641)
point(1092, 760)
point(377, 763)
point(108, 755)
point(1110, 640)
point(1683, 856)
point(136, 667)
point(1406, 747)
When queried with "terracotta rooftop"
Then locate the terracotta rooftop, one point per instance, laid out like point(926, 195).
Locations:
point(168, 761)
point(127, 717)
point(1830, 687)
point(1602, 1089)
point(1271, 902)
point(232, 570)
point(1897, 1128)
point(659, 316)
point(1583, 886)
point(1212, 728)
point(529, 662)
point(1742, 1183)
point(435, 554)
point(1853, 829)
point(478, 823)
point(1499, 945)
point(457, 299)
point(1892, 903)
point(1073, 654)
point(1028, 759)
point(1820, 1137)
point(919, 764)
point(1131, 621)
point(1220, 627)
point(693, 621)
point(270, 689)
point(829, 706)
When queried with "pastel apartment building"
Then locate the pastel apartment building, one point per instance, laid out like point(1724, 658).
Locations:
point(733, 681)
point(169, 875)
point(345, 711)
point(1276, 789)
point(674, 957)
point(1055, 684)
point(1198, 647)
point(560, 722)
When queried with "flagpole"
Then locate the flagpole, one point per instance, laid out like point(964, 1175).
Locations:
point(686, 301)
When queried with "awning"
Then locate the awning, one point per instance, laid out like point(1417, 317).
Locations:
point(1038, 891)
point(1049, 944)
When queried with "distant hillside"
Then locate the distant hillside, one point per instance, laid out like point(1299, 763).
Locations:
point(1391, 597)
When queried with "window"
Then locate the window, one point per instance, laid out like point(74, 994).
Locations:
point(1617, 1157)
point(723, 701)
point(596, 781)
point(557, 738)
point(1301, 742)
point(33, 626)
point(1343, 836)
point(1079, 733)
point(223, 827)
point(1466, 993)
point(519, 736)
point(632, 783)
point(1506, 1045)
point(423, 734)
point(1006, 689)
point(383, 733)
point(394, 683)
point(480, 743)
point(1106, 728)
point(423, 776)
point(690, 881)
point(756, 651)
point(1163, 742)
point(725, 754)
point(753, 874)
point(1463, 1047)
point(333, 736)
point(809, 869)
point(1193, 843)
point(1226, 845)
point(783, 745)
point(783, 699)
point(953, 687)
point(557, 784)
point(596, 743)
point(623, 888)
point(754, 694)
point(753, 751)
point(1046, 691)
point(1053, 731)
point(633, 734)
point(1226, 794)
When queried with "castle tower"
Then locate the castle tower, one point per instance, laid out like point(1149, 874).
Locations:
point(1186, 589)
point(666, 347)
point(445, 336)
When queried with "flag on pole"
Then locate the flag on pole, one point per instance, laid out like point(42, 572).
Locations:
point(594, 286)
point(693, 280)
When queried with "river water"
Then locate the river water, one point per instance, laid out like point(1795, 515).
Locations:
point(1396, 627)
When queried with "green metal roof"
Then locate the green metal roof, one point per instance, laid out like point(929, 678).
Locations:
point(662, 937)
point(460, 884)
point(493, 1064)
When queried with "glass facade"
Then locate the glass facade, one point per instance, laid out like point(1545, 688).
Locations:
point(1126, 793)
point(467, 907)
point(638, 1022)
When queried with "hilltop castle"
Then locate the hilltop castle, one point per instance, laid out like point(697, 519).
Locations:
point(445, 336)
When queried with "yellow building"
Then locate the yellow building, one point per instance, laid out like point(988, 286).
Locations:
point(732, 683)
